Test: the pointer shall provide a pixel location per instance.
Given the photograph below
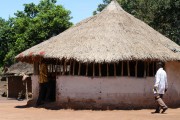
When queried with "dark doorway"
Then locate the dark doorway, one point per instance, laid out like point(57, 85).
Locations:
point(51, 92)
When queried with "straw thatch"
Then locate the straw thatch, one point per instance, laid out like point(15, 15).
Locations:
point(19, 68)
point(110, 36)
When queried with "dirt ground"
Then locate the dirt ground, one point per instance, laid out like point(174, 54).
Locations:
point(11, 109)
point(16, 110)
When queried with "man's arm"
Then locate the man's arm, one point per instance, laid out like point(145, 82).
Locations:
point(157, 81)
point(166, 83)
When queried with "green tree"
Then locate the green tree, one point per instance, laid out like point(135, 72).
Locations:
point(162, 15)
point(5, 38)
point(167, 20)
point(34, 25)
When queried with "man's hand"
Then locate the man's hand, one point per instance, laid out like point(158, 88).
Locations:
point(155, 89)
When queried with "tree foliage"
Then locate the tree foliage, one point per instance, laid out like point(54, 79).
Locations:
point(167, 20)
point(31, 26)
point(162, 15)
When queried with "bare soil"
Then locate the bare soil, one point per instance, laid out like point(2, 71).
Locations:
point(11, 109)
point(17, 110)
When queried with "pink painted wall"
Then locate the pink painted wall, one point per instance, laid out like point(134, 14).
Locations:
point(35, 86)
point(173, 73)
point(115, 92)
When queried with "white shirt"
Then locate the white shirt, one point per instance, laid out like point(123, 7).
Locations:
point(161, 81)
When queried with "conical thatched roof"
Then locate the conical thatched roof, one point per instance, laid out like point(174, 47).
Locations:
point(110, 36)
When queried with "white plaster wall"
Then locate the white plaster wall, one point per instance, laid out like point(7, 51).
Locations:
point(118, 91)
point(173, 75)
point(35, 86)
point(112, 90)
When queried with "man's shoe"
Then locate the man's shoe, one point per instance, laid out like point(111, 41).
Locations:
point(164, 109)
point(155, 112)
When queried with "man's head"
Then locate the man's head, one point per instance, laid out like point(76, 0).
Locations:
point(160, 65)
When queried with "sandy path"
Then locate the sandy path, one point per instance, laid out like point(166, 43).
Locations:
point(13, 110)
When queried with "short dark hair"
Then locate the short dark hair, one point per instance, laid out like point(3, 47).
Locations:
point(160, 64)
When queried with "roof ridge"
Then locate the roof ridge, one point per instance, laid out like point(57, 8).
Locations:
point(113, 5)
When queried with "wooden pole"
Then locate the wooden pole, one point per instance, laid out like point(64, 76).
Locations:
point(107, 69)
point(87, 69)
point(148, 68)
point(115, 69)
point(55, 69)
point(122, 70)
point(79, 69)
point(99, 69)
point(153, 68)
point(65, 62)
point(26, 90)
point(145, 68)
point(73, 66)
point(93, 70)
point(64, 65)
point(7, 87)
point(36, 68)
point(70, 67)
point(60, 67)
point(52, 67)
point(128, 68)
point(136, 70)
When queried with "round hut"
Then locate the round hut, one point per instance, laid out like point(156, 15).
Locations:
point(107, 61)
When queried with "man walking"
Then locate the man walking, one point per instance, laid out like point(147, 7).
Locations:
point(160, 87)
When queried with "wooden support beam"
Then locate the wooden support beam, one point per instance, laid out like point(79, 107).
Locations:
point(60, 73)
point(74, 63)
point(136, 70)
point(7, 87)
point(52, 66)
point(87, 69)
point(70, 63)
point(145, 67)
point(153, 68)
point(122, 70)
point(56, 67)
point(107, 69)
point(26, 90)
point(79, 69)
point(93, 69)
point(99, 69)
point(128, 68)
point(148, 68)
point(64, 67)
point(115, 69)
point(36, 68)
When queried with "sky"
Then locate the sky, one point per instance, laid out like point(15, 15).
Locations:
point(80, 9)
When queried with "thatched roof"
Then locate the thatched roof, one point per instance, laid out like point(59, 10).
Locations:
point(19, 68)
point(110, 36)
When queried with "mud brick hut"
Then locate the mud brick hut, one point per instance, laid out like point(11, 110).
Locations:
point(107, 61)
point(15, 84)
